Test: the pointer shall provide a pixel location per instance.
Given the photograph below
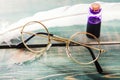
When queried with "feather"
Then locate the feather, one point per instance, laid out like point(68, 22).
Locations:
point(63, 16)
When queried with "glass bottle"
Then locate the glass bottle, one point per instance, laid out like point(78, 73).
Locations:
point(94, 20)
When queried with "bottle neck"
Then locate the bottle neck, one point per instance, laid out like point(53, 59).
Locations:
point(94, 12)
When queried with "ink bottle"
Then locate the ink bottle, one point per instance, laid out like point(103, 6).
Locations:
point(94, 20)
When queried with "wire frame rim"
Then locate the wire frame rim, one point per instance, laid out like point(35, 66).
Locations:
point(70, 55)
point(49, 41)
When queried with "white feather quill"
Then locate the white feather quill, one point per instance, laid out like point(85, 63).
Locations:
point(63, 16)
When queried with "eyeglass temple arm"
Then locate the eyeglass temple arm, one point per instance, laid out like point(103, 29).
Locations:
point(21, 45)
point(97, 65)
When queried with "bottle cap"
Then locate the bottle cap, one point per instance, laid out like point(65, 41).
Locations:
point(95, 7)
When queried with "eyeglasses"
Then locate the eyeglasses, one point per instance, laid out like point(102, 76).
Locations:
point(71, 44)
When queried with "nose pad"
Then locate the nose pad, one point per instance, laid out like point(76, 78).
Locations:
point(49, 45)
point(102, 51)
point(68, 51)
